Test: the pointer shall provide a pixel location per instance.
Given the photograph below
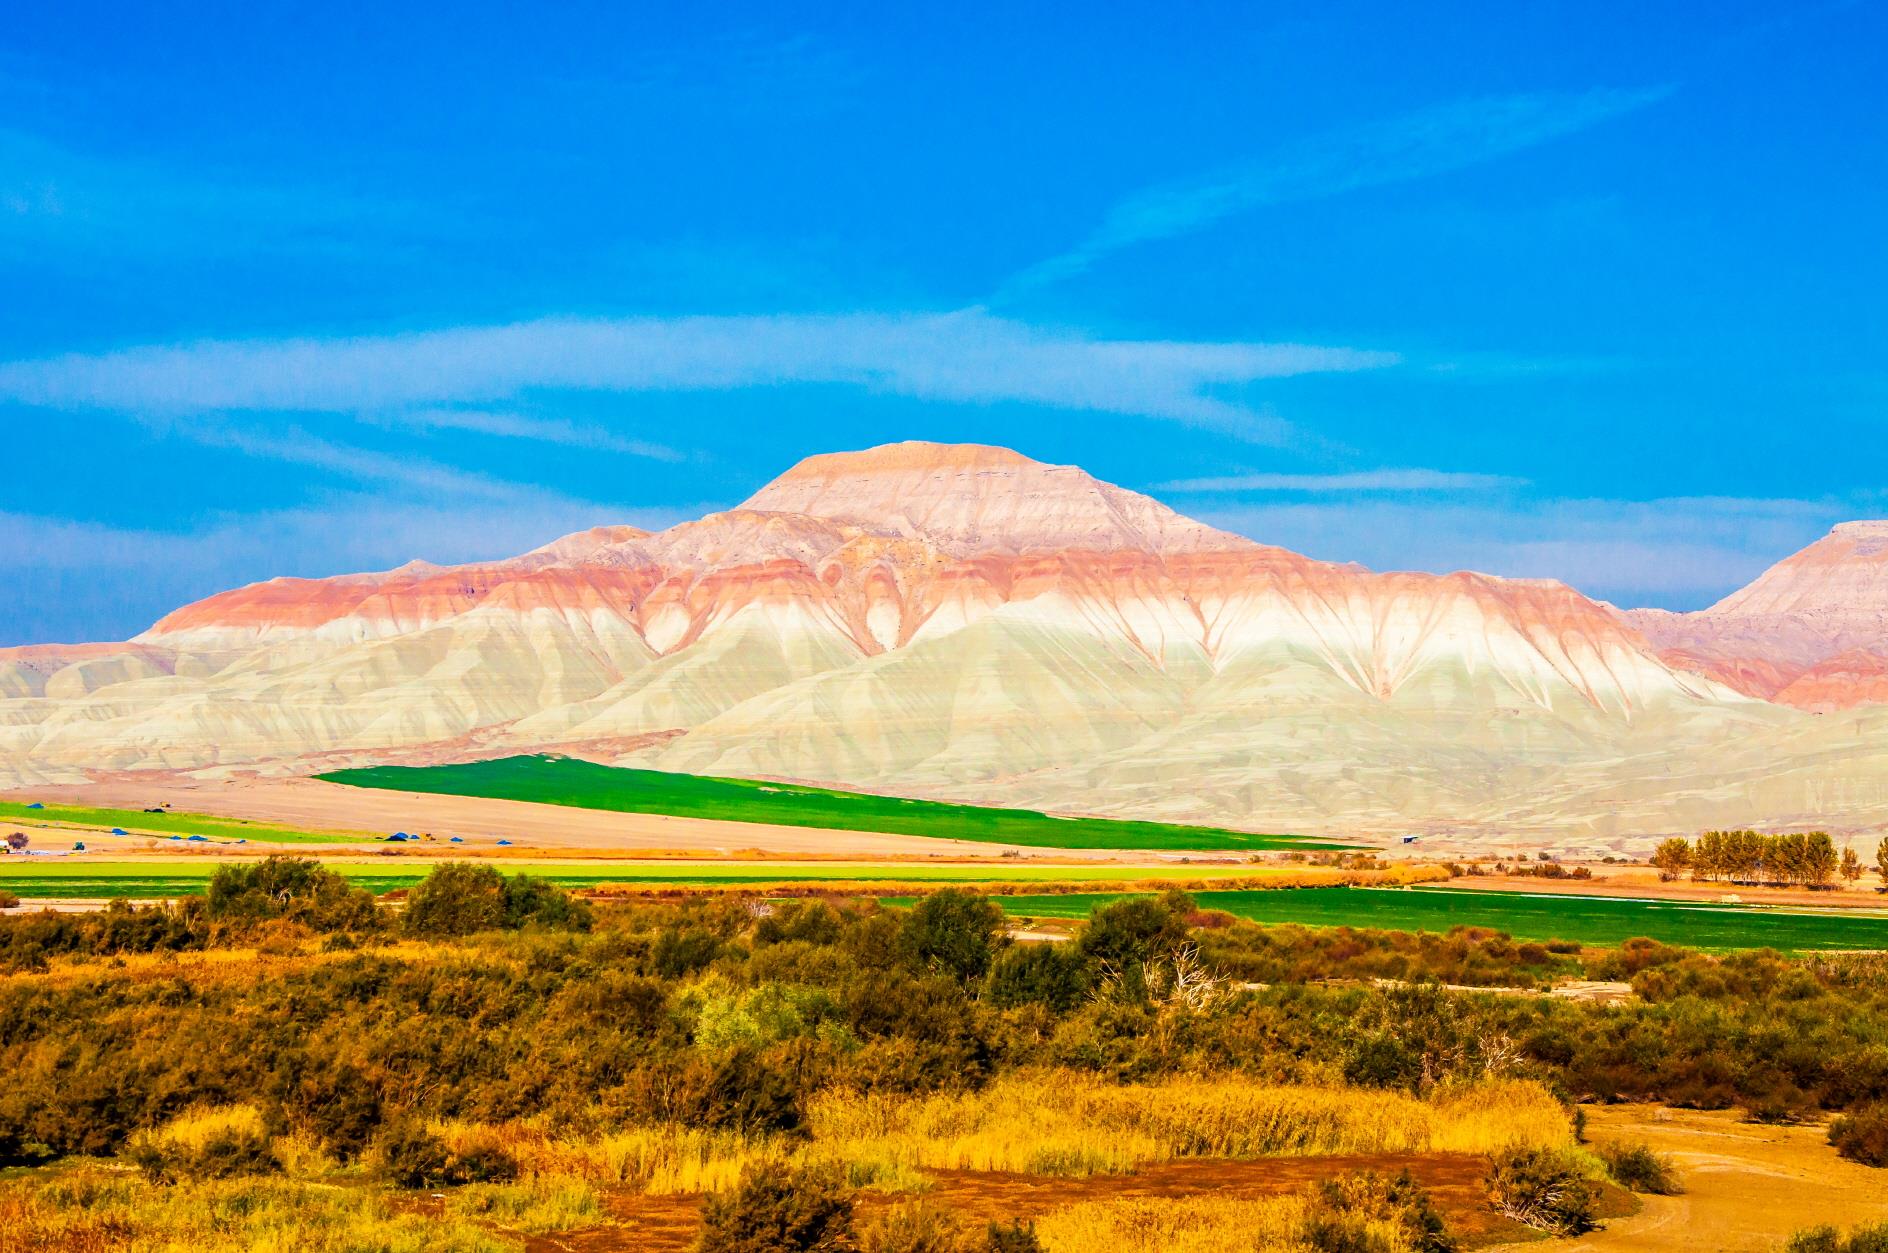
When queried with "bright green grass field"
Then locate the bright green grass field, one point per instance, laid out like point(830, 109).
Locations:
point(586, 785)
point(138, 822)
point(1596, 920)
point(84, 876)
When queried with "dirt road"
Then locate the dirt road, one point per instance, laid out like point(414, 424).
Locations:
point(1747, 1186)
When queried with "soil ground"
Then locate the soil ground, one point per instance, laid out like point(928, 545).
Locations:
point(667, 1224)
point(1748, 1187)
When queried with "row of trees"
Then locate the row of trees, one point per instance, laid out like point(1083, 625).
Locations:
point(1753, 857)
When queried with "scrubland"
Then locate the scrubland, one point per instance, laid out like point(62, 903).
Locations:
point(287, 1063)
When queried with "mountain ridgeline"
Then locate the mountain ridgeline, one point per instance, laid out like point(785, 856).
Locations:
point(965, 623)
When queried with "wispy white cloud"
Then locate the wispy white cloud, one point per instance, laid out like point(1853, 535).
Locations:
point(52, 195)
point(1404, 480)
point(522, 426)
point(1417, 145)
point(966, 357)
point(292, 445)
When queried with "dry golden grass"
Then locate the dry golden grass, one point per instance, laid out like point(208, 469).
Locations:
point(190, 1132)
point(94, 1210)
point(535, 1203)
point(661, 1161)
point(1198, 1225)
point(1047, 1123)
point(1059, 1123)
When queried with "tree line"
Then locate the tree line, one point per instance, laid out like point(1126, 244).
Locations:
point(1806, 859)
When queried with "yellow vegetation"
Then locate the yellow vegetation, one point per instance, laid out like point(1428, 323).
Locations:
point(193, 1131)
point(1065, 1124)
point(535, 1203)
point(1197, 1225)
point(1048, 1123)
point(658, 1160)
point(91, 1210)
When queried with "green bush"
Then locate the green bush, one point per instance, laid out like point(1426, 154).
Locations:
point(1051, 975)
point(1637, 1167)
point(1544, 1189)
point(779, 1209)
point(952, 932)
point(459, 898)
point(1862, 1135)
point(297, 889)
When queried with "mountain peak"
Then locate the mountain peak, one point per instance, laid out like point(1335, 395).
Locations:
point(981, 498)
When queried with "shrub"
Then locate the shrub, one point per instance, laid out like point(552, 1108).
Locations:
point(413, 1157)
point(207, 1144)
point(1637, 1167)
point(1396, 1200)
point(952, 932)
point(920, 1227)
point(1017, 1237)
point(295, 889)
point(779, 1209)
point(1542, 1188)
point(530, 901)
point(1862, 1135)
point(1828, 1240)
point(1038, 974)
point(8, 900)
point(457, 898)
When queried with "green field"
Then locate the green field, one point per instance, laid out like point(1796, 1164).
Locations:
point(586, 785)
point(136, 821)
point(84, 876)
point(1595, 920)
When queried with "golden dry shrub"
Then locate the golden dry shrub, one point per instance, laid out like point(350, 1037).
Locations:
point(94, 1210)
point(1202, 1225)
point(1058, 1123)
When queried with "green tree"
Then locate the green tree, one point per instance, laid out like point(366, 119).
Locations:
point(1123, 937)
point(1881, 861)
point(954, 932)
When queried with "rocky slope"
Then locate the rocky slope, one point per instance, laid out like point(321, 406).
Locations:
point(964, 621)
point(1811, 631)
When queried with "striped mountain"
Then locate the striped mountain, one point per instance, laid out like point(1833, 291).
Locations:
point(963, 621)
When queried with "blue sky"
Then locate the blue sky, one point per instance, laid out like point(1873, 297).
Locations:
point(1587, 291)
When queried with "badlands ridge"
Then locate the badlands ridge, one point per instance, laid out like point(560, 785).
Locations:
point(962, 621)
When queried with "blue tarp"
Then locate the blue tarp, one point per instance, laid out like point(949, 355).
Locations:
point(36, 805)
point(119, 831)
point(456, 840)
point(504, 841)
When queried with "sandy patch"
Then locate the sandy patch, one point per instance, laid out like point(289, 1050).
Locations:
point(1748, 1186)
